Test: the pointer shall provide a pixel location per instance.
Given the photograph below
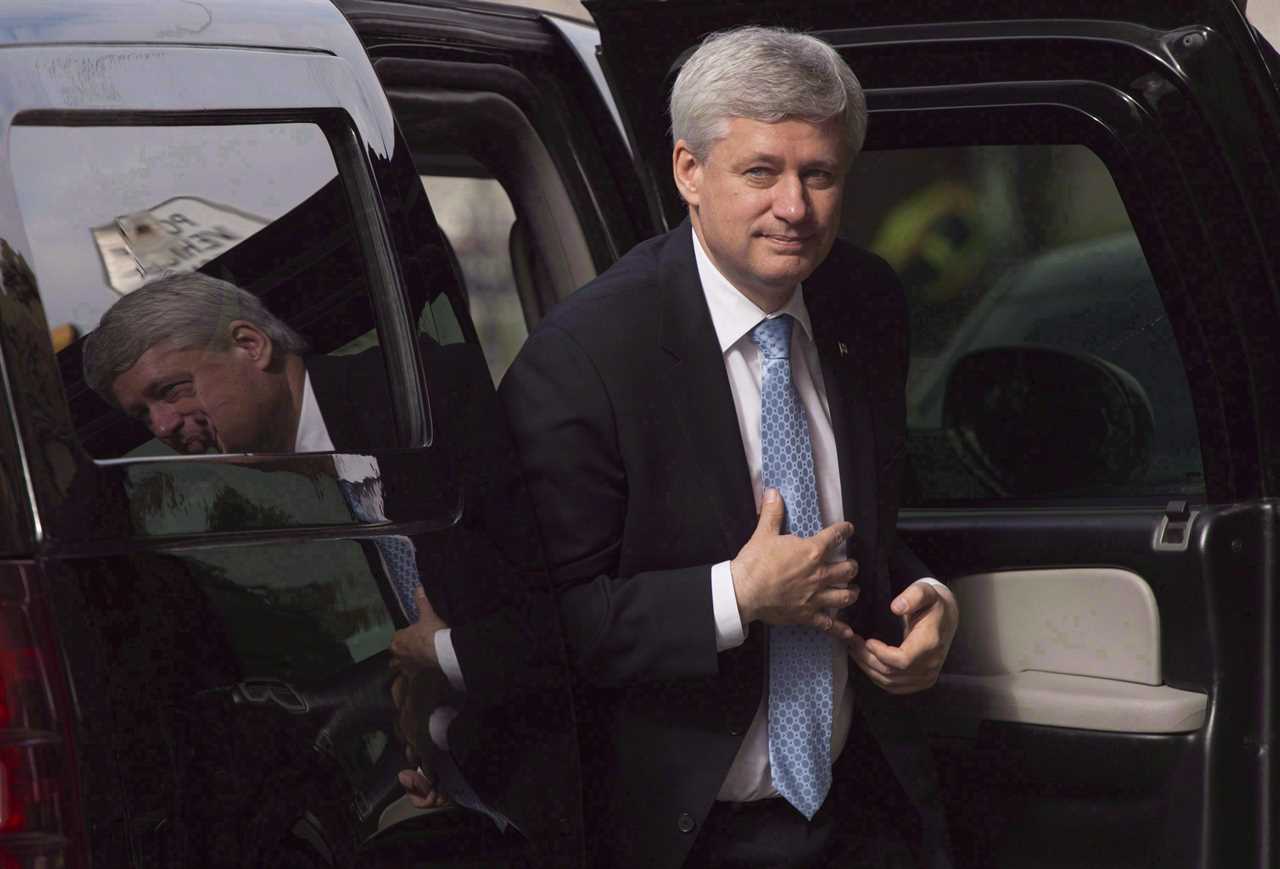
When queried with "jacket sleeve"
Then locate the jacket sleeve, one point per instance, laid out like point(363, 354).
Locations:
point(904, 567)
point(656, 625)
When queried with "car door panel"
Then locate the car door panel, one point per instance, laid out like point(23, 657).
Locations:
point(225, 619)
point(1100, 622)
point(1063, 647)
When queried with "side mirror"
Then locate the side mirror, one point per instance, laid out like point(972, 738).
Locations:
point(1030, 420)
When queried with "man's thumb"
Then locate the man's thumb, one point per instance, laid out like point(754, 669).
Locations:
point(770, 513)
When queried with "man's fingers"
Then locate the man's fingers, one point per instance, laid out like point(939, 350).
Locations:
point(770, 522)
point(910, 686)
point(400, 643)
point(414, 781)
point(831, 625)
point(905, 669)
point(839, 573)
point(432, 799)
point(892, 681)
point(421, 790)
point(833, 535)
point(917, 597)
point(907, 661)
point(866, 661)
point(835, 598)
point(895, 658)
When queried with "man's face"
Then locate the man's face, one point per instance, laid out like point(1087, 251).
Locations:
point(766, 201)
point(192, 399)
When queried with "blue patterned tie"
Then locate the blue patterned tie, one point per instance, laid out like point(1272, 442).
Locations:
point(799, 655)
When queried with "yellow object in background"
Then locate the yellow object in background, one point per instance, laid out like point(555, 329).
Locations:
point(935, 241)
point(63, 336)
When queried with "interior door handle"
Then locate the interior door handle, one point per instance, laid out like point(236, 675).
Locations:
point(270, 692)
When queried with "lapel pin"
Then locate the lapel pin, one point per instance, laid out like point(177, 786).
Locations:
point(843, 348)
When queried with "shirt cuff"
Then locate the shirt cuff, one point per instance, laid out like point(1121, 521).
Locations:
point(438, 725)
point(448, 659)
point(724, 604)
point(932, 581)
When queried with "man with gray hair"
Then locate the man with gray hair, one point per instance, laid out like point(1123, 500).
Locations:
point(713, 431)
point(201, 363)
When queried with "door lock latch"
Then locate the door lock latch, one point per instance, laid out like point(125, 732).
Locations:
point(1173, 533)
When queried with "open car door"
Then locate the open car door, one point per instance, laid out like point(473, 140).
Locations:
point(1081, 201)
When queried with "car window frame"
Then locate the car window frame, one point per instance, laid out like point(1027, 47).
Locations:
point(300, 86)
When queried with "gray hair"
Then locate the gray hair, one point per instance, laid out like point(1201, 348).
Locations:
point(189, 310)
point(765, 74)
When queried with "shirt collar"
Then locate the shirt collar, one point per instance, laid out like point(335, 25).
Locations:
point(313, 434)
point(734, 315)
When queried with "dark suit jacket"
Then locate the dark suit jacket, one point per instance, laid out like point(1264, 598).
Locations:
point(513, 738)
point(625, 423)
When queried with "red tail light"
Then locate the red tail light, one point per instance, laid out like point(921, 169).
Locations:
point(40, 825)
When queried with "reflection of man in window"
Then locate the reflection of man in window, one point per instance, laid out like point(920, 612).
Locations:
point(194, 340)
point(158, 347)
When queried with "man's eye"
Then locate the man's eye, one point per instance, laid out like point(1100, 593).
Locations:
point(757, 172)
point(820, 179)
point(176, 390)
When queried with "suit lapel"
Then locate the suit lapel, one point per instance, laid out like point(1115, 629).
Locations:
point(699, 388)
point(842, 354)
point(844, 379)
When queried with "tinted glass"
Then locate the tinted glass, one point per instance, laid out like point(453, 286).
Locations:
point(262, 206)
point(476, 216)
point(1004, 246)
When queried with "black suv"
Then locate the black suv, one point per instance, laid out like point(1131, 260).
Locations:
point(1081, 199)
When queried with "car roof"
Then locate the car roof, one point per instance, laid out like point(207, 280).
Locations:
point(314, 25)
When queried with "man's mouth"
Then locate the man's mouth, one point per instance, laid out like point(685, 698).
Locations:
point(787, 241)
point(199, 441)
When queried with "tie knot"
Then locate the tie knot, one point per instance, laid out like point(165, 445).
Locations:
point(773, 337)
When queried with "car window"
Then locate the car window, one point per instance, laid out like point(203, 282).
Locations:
point(1025, 246)
point(476, 216)
point(501, 200)
point(262, 205)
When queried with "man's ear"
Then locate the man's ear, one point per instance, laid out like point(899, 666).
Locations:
point(687, 171)
point(253, 342)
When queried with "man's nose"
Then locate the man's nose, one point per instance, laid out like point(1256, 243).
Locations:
point(164, 420)
point(790, 199)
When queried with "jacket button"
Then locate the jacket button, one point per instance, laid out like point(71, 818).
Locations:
point(735, 731)
point(685, 822)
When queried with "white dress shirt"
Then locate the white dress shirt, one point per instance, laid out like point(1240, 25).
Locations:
point(313, 437)
point(733, 316)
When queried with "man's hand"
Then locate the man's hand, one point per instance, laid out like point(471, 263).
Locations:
point(782, 579)
point(416, 695)
point(931, 614)
point(422, 791)
point(414, 647)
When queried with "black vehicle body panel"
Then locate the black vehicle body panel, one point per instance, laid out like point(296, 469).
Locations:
point(426, 44)
point(187, 754)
